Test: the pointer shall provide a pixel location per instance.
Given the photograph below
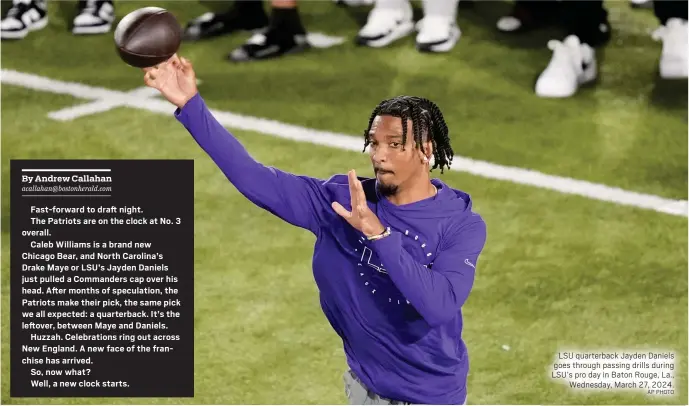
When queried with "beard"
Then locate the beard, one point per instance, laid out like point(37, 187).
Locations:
point(386, 190)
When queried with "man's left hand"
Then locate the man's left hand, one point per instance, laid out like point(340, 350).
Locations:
point(361, 217)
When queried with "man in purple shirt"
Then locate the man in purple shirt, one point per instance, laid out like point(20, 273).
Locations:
point(395, 255)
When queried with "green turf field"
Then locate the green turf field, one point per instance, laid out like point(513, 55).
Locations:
point(558, 272)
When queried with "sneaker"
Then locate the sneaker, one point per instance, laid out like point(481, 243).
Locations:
point(24, 16)
point(94, 17)
point(572, 65)
point(386, 25)
point(210, 25)
point(673, 59)
point(437, 34)
point(271, 44)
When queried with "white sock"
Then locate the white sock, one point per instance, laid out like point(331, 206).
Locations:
point(440, 8)
point(392, 4)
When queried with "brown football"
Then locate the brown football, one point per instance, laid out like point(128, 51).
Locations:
point(147, 37)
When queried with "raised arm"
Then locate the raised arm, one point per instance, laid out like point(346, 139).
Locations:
point(299, 200)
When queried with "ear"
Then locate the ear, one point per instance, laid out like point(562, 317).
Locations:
point(426, 152)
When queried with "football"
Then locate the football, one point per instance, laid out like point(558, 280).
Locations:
point(147, 37)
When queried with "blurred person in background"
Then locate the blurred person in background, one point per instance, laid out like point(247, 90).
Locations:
point(282, 32)
point(24, 16)
point(242, 15)
point(248, 15)
point(390, 20)
point(530, 14)
point(574, 63)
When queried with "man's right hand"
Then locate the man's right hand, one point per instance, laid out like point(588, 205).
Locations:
point(174, 78)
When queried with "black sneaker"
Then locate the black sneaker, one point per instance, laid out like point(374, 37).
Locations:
point(24, 16)
point(94, 17)
point(210, 24)
point(271, 44)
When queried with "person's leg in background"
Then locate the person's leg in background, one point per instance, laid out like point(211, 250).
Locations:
point(438, 30)
point(672, 15)
point(391, 20)
point(243, 15)
point(528, 14)
point(388, 21)
point(285, 34)
point(574, 60)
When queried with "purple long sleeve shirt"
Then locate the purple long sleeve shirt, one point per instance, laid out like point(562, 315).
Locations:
point(396, 302)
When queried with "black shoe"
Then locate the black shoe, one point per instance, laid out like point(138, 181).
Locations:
point(210, 25)
point(23, 17)
point(354, 3)
point(271, 44)
point(94, 17)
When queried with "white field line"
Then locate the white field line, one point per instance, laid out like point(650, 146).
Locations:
point(342, 141)
point(100, 105)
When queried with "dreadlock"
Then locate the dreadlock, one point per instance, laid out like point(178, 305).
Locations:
point(426, 120)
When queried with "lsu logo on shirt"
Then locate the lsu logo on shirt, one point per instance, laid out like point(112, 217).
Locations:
point(373, 276)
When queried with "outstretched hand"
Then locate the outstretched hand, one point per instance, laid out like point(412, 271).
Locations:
point(174, 78)
point(361, 217)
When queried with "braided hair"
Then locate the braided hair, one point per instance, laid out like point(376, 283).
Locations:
point(427, 120)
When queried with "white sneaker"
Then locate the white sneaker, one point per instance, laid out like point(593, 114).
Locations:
point(95, 17)
point(673, 58)
point(437, 34)
point(572, 65)
point(386, 25)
